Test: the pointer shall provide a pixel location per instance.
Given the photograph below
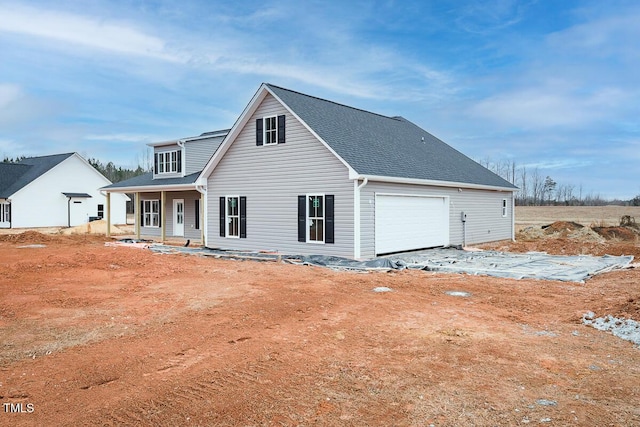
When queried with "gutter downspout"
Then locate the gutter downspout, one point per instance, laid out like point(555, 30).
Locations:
point(356, 216)
point(68, 211)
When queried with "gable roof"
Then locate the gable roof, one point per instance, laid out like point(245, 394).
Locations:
point(15, 176)
point(380, 146)
point(371, 145)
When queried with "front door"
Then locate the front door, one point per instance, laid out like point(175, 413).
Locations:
point(178, 217)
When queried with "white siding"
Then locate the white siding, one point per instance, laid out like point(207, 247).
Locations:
point(271, 177)
point(42, 204)
point(199, 152)
point(483, 208)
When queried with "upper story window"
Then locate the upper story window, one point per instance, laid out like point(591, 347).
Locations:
point(504, 208)
point(270, 130)
point(168, 162)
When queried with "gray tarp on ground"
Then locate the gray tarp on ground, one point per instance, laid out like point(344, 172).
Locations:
point(532, 265)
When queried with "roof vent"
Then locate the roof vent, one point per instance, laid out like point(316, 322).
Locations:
point(423, 139)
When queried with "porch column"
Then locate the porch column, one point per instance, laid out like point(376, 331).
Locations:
point(136, 214)
point(108, 214)
point(163, 215)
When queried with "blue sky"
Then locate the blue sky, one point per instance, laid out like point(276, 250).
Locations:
point(547, 84)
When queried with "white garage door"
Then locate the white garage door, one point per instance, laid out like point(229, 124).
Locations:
point(410, 222)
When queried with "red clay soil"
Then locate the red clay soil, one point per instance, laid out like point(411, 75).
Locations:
point(95, 335)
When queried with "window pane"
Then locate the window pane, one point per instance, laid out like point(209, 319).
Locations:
point(320, 230)
point(312, 230)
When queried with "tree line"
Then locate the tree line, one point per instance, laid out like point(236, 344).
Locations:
point(536, 189)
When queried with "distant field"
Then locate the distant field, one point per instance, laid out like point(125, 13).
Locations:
point(586, 215)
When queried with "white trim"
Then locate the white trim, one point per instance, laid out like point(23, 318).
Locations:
point(324, 218)
point(264, 130)
point(432, 182)
point(357, 231)
point(227, 217)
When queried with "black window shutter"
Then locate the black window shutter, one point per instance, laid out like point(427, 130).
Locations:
point(179, 161)
point(155, 163)
point(329, 218)
point(141, 213)
point(197, 211)
point(259, 134)
point(222, 216)
point(160, 212)
point(281, 137)
point(302, 218)
point(243, 217)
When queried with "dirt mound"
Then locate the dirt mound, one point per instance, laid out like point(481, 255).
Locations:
point(93, 227)
point(619, 233)
point(562, 226)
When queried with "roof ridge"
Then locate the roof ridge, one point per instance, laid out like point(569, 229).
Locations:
point(396, 118)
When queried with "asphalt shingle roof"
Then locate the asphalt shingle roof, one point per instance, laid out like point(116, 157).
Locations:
point(374, 144)
point(146, 180)
point(15, 176)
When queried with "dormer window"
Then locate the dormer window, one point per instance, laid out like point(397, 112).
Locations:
point(270, 130)
point(168, 162)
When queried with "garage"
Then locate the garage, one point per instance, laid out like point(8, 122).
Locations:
point(407, 222)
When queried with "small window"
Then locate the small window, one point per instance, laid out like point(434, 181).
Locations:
point(168, 162)
point(100, 211)
point(270, 131)
point(315, 218)
point(504, 208)
point(151, 213)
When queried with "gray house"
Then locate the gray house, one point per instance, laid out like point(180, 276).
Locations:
point(301, 175)
point(168, 201)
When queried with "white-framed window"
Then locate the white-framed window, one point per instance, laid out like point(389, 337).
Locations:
point(168, 162)
point(151, 213)
point(233, 216)
point(504, 208)
point(315, 218)
point(270, 130)
point(5, 212)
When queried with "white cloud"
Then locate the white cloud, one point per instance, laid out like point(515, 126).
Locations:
point(550, 106)
point(9, 93)
point(85, 31)
point(124, 137)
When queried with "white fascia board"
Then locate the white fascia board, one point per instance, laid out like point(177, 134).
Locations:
point(251, 107)
point(327, 146)
point(432, 182)
point(151, 188)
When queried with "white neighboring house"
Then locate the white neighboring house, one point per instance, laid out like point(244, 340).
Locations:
point(61, 190)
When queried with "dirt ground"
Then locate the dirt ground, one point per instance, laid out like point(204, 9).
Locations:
point(96, 335)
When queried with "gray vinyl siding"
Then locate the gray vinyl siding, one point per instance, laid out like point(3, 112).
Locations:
point(485, 222)
point(271, 177)
point(199, 152)
point(190, 232)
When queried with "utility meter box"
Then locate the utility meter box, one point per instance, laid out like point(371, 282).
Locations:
point(463, 216)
